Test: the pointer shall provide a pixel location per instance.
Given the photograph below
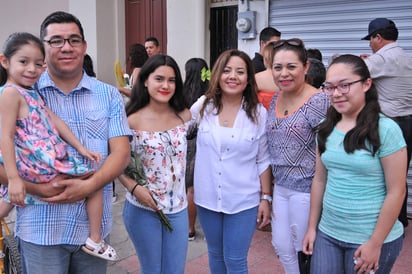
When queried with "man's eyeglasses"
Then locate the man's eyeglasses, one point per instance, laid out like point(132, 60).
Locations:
point(295, 42)
point(342, 88)
point(74, 41)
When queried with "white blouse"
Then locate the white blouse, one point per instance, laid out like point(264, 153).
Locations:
point(229, 161)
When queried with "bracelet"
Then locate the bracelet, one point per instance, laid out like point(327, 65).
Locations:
point(266, 197)
point(134, 187)
point(267, 193)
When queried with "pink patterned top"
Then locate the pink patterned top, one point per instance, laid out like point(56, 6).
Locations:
point(41, 153)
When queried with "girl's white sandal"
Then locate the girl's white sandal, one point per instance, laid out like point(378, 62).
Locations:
point(108, 254)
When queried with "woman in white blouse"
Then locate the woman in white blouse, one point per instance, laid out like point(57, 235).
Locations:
point(232, 175)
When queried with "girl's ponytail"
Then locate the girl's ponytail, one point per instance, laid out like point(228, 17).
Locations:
point(3, 76)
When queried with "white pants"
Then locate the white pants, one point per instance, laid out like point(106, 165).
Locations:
point(290, 216)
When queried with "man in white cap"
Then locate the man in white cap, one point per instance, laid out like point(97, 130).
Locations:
point(391, 70)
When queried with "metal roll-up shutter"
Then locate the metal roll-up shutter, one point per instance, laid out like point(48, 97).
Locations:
point(410, 192)
point(336, 27)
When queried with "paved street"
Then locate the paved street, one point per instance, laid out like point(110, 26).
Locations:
point(261, 260)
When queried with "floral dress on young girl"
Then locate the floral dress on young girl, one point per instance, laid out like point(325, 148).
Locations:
point(41, 154)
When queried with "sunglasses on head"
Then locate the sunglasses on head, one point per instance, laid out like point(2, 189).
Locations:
point(294, 42)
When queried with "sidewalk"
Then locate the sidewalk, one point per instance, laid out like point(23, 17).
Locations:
point(262, 258)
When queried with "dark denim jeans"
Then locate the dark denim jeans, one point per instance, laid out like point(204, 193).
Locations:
point(331, 256)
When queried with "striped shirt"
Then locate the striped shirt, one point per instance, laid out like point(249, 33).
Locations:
point(95, 113)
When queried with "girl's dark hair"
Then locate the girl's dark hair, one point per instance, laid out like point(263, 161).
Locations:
point(194, 86)
point(214, 92)
point(365, 135)
point(140, 95)
point(137, 56)
point(88, 66)
point(13, 43)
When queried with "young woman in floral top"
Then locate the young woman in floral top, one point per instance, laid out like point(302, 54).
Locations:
point(159, 120)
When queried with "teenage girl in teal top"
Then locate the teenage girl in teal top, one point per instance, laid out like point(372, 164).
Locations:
point(358, 188)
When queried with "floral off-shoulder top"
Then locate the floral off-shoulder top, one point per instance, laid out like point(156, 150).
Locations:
point(163, 155)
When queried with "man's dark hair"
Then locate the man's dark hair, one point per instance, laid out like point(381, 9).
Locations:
point(314, 53)
point(267, 33)
point(59, 17)
point(152, 39)
point(316, 74)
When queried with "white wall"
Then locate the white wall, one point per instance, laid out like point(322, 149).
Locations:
point(109, 41)
point(85, 10)
point(261, 8)
point(26, 15)
point(186, 30)
point(102, 21)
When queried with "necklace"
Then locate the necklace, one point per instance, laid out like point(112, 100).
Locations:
point(225, 123)
point(286, 112)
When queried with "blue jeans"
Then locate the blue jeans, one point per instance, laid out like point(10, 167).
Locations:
point(228, 238)
point(58, 259)
point(331, 256)
point(158, 250)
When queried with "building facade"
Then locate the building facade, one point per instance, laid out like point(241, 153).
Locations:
point(204, 28)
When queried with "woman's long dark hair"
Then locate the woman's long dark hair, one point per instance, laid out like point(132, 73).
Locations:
point(137, 56)
point(194, 86)
point(365, 135)
point(214, 92)
point(140, 96)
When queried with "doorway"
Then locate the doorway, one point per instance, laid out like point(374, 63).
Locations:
point(223, 32)
point(145, 18)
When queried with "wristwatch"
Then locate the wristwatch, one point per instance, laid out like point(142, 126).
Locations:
point(266, 197)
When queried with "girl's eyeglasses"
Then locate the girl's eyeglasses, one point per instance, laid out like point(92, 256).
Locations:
point(170, 151)
point(169, 148)
point(342, 88)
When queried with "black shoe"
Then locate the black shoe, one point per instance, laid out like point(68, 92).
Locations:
point(192, 236)
point(114, 198)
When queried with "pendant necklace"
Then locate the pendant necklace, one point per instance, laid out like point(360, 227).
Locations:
point(286, 112)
